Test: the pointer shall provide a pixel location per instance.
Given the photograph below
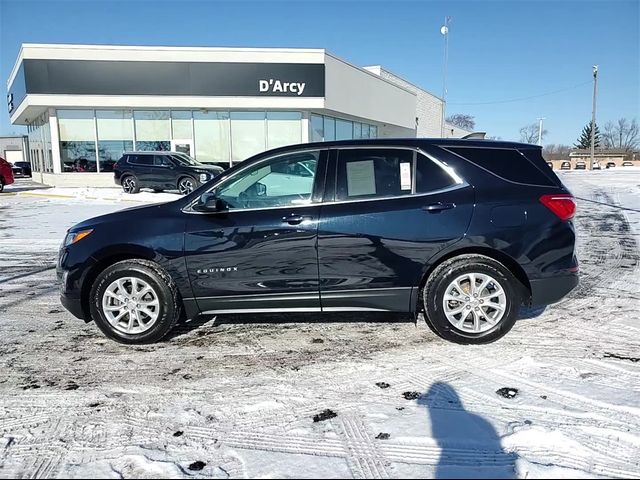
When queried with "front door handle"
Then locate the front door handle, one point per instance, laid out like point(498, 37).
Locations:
point(438, 207)
point(294, 219)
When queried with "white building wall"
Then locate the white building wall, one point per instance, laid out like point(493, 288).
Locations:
point(452, 131)
point(428, 106)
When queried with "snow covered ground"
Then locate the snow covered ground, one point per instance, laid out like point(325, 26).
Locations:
point(223, 398)
point(27, 188)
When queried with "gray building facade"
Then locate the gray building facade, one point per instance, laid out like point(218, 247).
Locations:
point(84, 105)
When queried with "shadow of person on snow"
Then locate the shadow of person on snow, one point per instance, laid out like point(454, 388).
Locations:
point(470, 446)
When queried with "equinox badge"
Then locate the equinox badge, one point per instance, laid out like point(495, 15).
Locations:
point(217, 270)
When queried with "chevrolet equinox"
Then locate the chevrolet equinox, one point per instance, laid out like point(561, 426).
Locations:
point(464, 231)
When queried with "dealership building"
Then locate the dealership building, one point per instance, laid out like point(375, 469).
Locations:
point(84, 105)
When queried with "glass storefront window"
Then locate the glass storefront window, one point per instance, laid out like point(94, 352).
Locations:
point(247, 134)
point(153, 130)
point(212, 142)
point(329, 129)
point(181, 125)
point(357, 130)
point(344, 130)
point(317, 128)
point(77, 140)
point(115, 136)
point(283, 128)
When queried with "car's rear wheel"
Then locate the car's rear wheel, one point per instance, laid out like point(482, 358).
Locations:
point(471, 299)
point(135, 302)
point(186, 185)
point(1, 184)
point(130, 184)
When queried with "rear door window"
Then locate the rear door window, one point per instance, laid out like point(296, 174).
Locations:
point(141, 159)
point(374, 173)
point(506, 163)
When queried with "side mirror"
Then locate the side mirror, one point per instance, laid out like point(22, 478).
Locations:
point(208, 202)
point(256, 190)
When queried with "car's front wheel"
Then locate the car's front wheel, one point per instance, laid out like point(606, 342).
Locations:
point(471, 299)
point(1, 185)
point(135, 302)
point(130, 184)
point(186, 185)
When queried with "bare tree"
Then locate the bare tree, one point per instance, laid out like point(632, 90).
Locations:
point(556, 149)
point(529, 133)
point(462, 120)
point(624, 134)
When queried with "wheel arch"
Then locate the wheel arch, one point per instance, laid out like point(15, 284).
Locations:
point(106, 260)
point(509, 262)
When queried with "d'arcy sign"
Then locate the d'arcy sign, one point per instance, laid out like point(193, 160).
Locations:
point(212, 79)
point(275, 86)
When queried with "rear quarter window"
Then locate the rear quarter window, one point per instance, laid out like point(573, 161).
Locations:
point(506, 163)
point(430, 177)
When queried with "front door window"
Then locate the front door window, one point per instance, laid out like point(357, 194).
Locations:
point(281, 181)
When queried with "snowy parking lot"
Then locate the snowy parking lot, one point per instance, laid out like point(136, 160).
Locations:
point(349, 395)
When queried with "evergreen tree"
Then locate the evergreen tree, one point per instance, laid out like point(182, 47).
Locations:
point(584, 141)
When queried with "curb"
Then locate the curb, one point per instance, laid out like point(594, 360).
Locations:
point(71, 197)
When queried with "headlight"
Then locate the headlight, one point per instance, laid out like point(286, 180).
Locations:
point(73, 237)
point(204, 177)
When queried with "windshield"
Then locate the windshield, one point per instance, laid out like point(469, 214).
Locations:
point(183, 159)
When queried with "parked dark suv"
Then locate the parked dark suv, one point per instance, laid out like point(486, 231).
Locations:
point(21, 169)
point(162, 171)
point(463, 230)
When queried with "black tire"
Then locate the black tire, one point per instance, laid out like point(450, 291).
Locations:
point(183, 181)
point(166, 290)
point(130, 184)
point(1, 184)
point(436, 286)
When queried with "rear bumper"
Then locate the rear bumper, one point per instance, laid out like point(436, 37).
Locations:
point(551, 290)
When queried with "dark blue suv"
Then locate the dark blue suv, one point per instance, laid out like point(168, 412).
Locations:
point(463, 230)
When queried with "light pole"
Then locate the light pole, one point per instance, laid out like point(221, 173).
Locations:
point(444, 30)
point(593, 117)
point(540, 131)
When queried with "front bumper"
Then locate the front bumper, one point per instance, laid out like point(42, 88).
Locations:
point(74, 305)
point(553, 289)
point(70, 281)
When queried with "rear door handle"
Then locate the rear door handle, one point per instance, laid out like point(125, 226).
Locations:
point(438, 207)
point(294, 219)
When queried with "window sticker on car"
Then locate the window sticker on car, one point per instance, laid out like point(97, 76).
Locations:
point(405, 176)
point(361, 178)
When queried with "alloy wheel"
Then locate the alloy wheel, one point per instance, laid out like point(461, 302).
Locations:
point(185, 186)
point(131, 305)
point(129, 184)
point(474, 302)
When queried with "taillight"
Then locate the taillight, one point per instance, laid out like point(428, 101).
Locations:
point(563, 205)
